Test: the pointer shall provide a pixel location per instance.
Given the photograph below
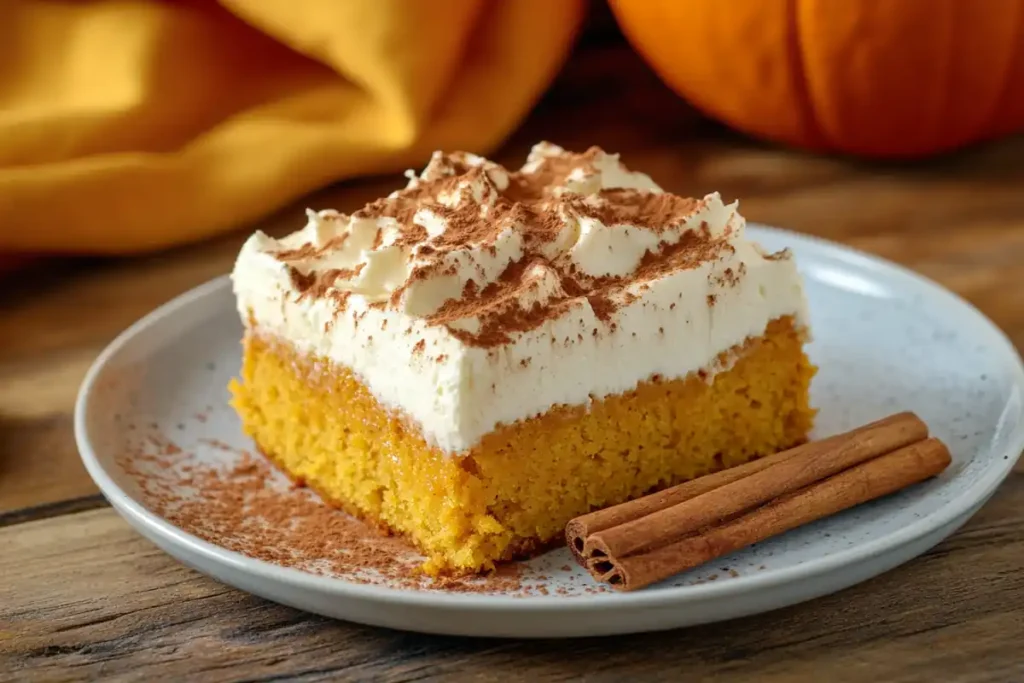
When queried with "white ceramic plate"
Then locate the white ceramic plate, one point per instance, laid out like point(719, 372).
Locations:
point(885, 340)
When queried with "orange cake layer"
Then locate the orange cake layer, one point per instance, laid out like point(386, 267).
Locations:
point(513, 493)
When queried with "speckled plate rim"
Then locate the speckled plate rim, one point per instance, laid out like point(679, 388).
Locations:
point(967, 500)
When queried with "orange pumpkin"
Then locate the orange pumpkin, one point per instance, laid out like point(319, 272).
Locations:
point(881, 78)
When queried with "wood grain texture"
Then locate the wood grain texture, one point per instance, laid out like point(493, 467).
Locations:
point(85, 597)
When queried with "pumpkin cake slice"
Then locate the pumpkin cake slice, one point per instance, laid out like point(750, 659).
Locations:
point(478, 358)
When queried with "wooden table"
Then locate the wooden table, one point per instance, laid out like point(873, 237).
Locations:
point(84, 597)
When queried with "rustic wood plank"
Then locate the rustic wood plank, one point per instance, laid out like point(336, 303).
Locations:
point(56, 509)
point(84, 596)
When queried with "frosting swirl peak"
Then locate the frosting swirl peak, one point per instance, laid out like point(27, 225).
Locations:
point(486, 251)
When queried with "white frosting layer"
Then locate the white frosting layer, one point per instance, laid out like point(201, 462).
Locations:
point(399, 314)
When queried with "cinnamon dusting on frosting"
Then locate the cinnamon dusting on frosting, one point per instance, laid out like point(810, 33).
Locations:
point(552, 172)
point(651, 210)
point(489, 253)
point(322, 283)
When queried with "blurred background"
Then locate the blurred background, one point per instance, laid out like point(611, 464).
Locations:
point(130, 126)
point(141, 142)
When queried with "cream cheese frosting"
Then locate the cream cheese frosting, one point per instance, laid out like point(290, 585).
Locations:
point(478, 296)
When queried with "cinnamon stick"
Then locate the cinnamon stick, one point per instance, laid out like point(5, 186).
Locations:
point(871, 440)
point(866, 481)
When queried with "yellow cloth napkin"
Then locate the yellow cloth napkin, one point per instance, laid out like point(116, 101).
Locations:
point(128, 125)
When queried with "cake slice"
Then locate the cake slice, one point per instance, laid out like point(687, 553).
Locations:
point(478, 358)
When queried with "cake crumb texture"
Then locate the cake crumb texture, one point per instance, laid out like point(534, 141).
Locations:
point(513, 493)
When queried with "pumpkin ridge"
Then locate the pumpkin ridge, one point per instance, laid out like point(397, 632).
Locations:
point(795, 56)
point(944, 100)
point(992, 120)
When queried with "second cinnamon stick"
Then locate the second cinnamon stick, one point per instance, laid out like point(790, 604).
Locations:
point(866, 481)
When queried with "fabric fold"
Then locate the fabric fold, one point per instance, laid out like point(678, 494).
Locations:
point(136, 125)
